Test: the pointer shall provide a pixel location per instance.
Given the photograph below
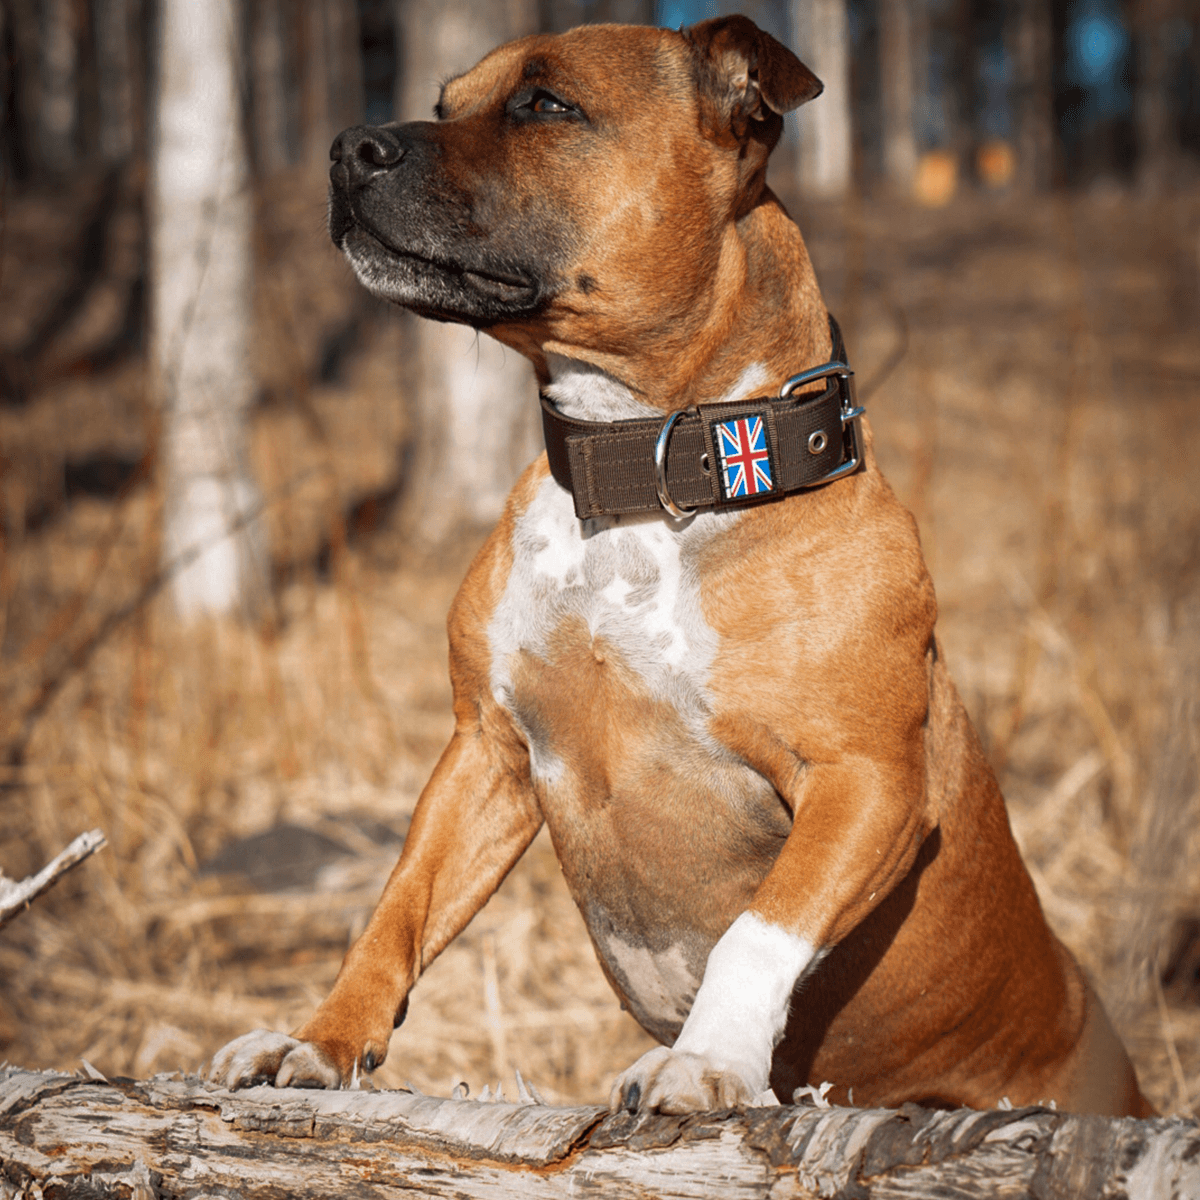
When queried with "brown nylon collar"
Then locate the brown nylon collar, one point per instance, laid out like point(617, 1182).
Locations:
point(714, 455)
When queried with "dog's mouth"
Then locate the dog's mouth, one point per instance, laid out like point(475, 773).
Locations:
point(504, 287)
point(438, 286)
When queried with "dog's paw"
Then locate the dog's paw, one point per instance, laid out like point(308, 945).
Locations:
point(250, 1059)
point(676, 1082)
point(276, 1058)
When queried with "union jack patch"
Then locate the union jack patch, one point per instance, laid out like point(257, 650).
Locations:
point(745, 459)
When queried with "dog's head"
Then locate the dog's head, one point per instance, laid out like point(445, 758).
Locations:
point(569, 182)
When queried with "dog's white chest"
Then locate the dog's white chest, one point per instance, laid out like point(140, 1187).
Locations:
point(632, 582)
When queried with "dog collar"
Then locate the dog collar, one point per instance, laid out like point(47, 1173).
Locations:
point(711, 455)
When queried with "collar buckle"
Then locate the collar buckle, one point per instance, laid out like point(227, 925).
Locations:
point(851, 414)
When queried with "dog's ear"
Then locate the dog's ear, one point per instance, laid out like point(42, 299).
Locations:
point(747, 73)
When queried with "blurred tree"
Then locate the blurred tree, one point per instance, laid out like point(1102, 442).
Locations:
point(200, 271)
point(58, 45)
point(112, 23)
point(1161, 33)
point(555, 16)
point(964, 81)
point(332, 83)
point(896, 79)
point(1031, 50)
point(9, 126)
point(271, 84)
point(823, 42)
point(476, 416)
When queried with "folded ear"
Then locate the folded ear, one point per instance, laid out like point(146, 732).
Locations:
point(745, 71)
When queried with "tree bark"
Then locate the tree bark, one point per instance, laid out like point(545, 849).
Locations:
point(476, 417)
point(826, 133)
point(200, 267)
point(170, 1136)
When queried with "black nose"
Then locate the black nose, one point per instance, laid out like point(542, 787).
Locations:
point(362, 152)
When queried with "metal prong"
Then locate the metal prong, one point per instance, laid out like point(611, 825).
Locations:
point(823, 372)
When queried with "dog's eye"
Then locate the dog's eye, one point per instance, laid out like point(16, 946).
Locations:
point(537, 104)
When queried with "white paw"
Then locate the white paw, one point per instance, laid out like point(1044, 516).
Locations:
point(250, 1059)
point(676, 1082)
point(265, 1056)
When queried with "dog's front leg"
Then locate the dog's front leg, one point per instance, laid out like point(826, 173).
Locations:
point(857, 828)
point(475, 818)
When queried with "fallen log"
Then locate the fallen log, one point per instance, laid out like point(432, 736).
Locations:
point(67, 1136)
point(16, 897)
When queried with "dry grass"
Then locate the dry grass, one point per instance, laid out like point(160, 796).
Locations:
point(1043, 427)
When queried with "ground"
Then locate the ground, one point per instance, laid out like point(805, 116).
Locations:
point(1031, 370)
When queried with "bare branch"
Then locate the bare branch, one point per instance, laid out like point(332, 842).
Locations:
point(16, 897)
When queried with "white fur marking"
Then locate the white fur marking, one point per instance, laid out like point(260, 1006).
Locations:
point(629, 581)
point(588, 393)
point(748, 382)
point(627, 578)
point(742, 1006)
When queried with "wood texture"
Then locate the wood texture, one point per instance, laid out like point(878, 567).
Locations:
point(170, 1136)
point(16, 897)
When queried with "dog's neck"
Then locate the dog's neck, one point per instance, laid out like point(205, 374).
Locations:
point(775, 328)
point(590, 393)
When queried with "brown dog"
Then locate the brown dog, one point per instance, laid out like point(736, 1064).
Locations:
point(768, 802)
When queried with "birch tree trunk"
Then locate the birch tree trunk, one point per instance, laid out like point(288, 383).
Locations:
point(200, 268)
point(826, 133)
point(476, 417)
point(896, 87)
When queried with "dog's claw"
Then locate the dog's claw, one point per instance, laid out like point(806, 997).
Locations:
point(632, 1097)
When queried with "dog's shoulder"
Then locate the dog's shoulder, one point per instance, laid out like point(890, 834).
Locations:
point(825, 612)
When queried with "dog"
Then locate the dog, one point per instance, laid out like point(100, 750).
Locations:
point(699, 645)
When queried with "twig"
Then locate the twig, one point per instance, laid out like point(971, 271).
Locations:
point(16, 897)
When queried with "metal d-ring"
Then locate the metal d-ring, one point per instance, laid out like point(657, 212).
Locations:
point(660, 467)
